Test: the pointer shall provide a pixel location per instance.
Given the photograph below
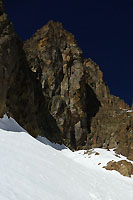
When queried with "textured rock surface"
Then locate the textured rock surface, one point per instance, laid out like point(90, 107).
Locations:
point(77, 97)
point(20, 92)
point(124, 167)
point(55, 58)
point(112, 127)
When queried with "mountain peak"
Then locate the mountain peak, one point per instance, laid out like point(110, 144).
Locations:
point(51, 90)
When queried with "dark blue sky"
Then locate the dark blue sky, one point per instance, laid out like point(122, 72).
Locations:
point(102, 28)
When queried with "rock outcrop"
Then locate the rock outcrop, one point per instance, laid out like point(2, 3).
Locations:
point(112, 127)
point(123, 167)
point(55, 58)
point(77, 96)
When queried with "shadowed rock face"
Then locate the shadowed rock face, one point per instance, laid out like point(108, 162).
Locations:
point(8, 56)
point(20, 92)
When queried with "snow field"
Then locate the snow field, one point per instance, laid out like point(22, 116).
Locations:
point(34, 170)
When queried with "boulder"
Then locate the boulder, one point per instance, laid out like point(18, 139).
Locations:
point(123, 167)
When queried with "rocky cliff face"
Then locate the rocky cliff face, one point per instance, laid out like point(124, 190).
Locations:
point(55, 58)
point(51, 90)
point(20, 92)
point(77, 97)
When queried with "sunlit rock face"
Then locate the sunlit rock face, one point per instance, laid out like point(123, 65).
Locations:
point(56, 60)
point(77, 97)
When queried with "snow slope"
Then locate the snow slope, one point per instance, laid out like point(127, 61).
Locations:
point(9, 124)
point(34, 170)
